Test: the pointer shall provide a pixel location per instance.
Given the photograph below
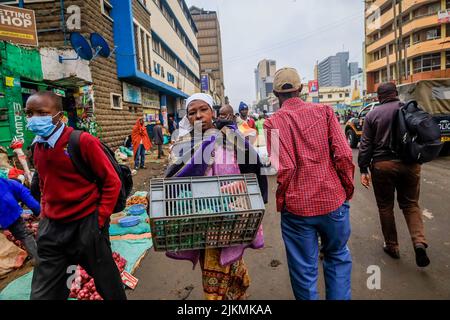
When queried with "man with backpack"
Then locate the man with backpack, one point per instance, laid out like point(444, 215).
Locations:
point(390, 173)
point(75, 209)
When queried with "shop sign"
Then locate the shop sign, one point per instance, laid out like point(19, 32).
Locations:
point(18, 120)
point(150, 100)
point(12, 82)
point(18, 26)
point(132, 94)
point(151, 115)
point(28, 91)
point(205, 83)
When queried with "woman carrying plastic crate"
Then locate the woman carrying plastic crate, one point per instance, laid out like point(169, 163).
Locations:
point(224, 273)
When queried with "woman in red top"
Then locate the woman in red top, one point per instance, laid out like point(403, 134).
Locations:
point(141, 143)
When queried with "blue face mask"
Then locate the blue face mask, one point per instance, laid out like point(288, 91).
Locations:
point(41, 126)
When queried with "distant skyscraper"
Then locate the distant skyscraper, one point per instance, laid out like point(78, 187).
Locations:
point(210, 49)
point(335, 71)
point(354, 68)
point(264, 74)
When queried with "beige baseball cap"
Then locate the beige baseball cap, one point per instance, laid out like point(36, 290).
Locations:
point(286, 76)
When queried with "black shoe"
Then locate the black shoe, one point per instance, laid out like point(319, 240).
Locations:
point(422, 259)
point(394, 253)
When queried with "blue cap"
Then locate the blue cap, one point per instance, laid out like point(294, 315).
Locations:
point(243, 106)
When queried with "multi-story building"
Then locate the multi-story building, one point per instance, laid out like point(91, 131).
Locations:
point(333, 96)
point(210, 49)
point(334, 71)
point(264, 77)
point(423, 50)
point(153, 66)
point(353, 69)
point(173, 62)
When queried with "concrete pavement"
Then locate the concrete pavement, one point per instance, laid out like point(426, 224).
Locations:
point(163, 278)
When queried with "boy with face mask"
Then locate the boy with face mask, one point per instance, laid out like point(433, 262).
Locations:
point(75, 225)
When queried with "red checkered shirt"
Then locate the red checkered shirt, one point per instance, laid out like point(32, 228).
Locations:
point(314, 162)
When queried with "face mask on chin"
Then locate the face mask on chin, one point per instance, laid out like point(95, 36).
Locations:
point(42, 126)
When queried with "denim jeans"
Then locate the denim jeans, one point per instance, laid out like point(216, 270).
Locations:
point(140, 154)
point(300, 235)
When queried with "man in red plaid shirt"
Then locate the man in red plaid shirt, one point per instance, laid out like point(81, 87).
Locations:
point(315, 183)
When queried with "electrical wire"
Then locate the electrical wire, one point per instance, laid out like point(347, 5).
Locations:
point(292, 41)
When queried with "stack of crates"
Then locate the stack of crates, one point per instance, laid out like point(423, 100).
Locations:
point(205, 212)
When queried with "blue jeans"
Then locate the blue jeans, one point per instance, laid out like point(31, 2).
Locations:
point(139, 154)
point(300, 235)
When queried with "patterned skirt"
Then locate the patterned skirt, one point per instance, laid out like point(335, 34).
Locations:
point(223, 283)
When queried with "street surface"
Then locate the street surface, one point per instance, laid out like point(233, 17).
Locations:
point(166, 279)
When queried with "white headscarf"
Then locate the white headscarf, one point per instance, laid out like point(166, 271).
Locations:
point(185, 126)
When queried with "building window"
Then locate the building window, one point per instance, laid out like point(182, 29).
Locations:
point(447, 57)
point(405, 18)
point(106, 8)
point(116, 101)
point(330, 96)
point(156, 46)
point(376, 56)
point(427, 10)
point(347, 95)
point(376, 77)
point(429, 62)
point(320, 96)
point(340, 95)
point(427, 35)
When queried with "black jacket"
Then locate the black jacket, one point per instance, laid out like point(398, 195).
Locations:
point(376, 139)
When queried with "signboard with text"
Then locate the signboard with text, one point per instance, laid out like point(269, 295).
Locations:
point(205, 83)
point(132, 93)
point(18, 26)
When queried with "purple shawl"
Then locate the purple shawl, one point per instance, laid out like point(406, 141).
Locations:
point(228, 255)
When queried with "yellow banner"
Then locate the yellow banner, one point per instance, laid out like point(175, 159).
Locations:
point(16, 35)
point(445, 139)
point(9, 81)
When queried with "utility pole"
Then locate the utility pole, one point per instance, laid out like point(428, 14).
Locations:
point(400, 42)
point(396, 42)
point(388, 64)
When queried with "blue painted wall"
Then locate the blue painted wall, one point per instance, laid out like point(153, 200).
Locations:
point(127, 69)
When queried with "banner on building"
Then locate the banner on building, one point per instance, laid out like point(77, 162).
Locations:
point(205, 83)
point(357, 83)
point(18, 26)
point(313, 88)
point(444, 16)
point(132, 94)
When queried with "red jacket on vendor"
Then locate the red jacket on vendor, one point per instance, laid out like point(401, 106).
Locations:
point(66, 195)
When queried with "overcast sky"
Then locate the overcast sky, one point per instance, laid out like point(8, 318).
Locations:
point(295, 33)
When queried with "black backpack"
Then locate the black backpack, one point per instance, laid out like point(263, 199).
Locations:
point(123, 172)
point(416, 137)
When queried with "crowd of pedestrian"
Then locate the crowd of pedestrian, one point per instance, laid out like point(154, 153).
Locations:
point(315, 186)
